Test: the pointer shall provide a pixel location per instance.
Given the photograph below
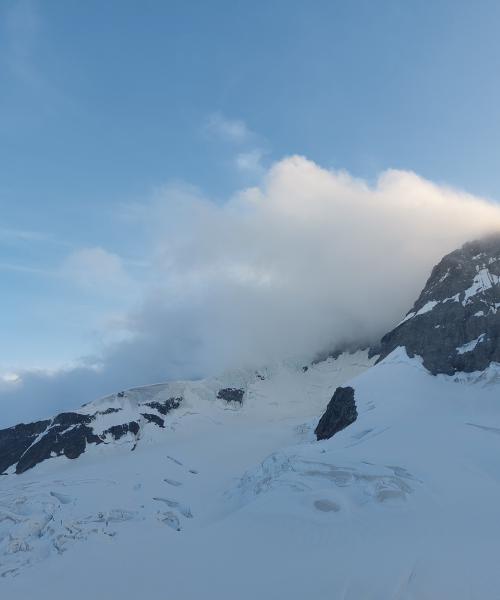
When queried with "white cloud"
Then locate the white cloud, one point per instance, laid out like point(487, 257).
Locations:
point(24, 55)
point(11, 378)
point(20, 268)
point(95, 269)
point(308, 260)
point(250, 162)
point(230, 130)
point(8, 234)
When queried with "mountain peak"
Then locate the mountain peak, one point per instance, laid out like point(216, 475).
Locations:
point(455, 323)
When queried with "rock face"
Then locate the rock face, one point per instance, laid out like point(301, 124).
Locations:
point(455, 323)
point(231, 395)
point(340, 412)
point(15, 441)
point(69, 433)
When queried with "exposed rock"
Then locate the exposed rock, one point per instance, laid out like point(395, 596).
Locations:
point(14, 441)
point(68, 419)
point(231, 395)
point(68, 434)
point(109, 411)
point(340, 412)
point(455, 323)
point(118, 431)
point(154, 419)
point(58, 440)
point(166, 406)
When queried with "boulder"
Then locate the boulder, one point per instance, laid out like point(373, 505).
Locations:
point(340, 413)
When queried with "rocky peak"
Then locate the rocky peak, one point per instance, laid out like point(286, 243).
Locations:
point(455, 323)
point(123, 415)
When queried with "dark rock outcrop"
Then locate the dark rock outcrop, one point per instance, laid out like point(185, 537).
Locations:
point(231, 395)
point(14, 441)
point(166, 406)
point(68, 434)
point(455, 323)
point(340, 413)
point(109, 411)
point(58, 440)
point(118, 431)
point(154, 419)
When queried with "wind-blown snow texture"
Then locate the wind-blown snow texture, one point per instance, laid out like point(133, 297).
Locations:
point(231, 496)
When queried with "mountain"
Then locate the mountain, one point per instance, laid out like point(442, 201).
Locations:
point(455, 323)
point(121, 417)
point(224, 490)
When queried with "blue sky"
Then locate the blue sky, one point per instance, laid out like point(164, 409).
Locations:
point(104, 105)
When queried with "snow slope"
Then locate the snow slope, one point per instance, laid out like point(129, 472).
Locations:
point(242, 502)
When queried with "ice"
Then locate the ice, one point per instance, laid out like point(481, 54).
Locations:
point(469, 346)
point(183, 509)
point(171, 519)
point(401, 504)
point(63, 498)
point(172, 482)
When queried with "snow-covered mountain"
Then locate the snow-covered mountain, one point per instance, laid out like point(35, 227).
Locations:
point(455, 323)
point(220, 488)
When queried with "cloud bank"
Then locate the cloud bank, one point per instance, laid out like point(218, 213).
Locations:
point(309, 260)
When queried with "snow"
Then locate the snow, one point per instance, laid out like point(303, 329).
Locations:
point(246, 504)
point(409, 316)
point(470, 346)
point(445, 276)
point(425, 309)
point(483, 280)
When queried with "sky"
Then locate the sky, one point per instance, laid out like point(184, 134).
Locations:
point(186, 187)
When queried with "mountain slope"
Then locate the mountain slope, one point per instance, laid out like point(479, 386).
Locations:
point(137, 477)
point(129, 416)
point(401, 504)
point(234, 497)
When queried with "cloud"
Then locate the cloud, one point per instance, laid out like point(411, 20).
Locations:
point(229, 130)
point(22, 32)
point(95, 268)
point(8, 234)
point(308, 260)
point(250, 162)
point(27, 57)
